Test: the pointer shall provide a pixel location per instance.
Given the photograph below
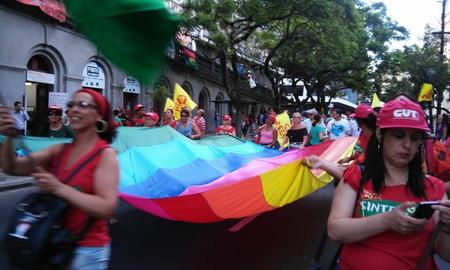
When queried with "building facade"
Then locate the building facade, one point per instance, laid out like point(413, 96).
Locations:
point(43, 61)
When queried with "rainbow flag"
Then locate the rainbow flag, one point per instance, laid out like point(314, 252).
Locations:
point(216, 178)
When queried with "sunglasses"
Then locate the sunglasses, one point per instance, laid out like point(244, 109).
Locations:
point(184, 115)
point(81, 104)
point(55, 113)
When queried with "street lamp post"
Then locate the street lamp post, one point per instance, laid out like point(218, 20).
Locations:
point(441, 34)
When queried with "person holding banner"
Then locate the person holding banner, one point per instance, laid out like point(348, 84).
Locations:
point(93, 192)
point(151, 119)
point(267, 133)
point(187, 127)
point(199, 120)
point(226, 127)
point(138, 120)
point(366, 120)
point(372, 208)
point(168, 119)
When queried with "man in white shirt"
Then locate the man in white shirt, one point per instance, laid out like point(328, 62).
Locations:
point(338, 127)
point(20, 116)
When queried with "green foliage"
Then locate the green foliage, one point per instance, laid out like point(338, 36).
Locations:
point(412, 67)
point(329, 45)
point(160, 93)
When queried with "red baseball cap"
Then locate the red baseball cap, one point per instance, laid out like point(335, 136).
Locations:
point(363, 111)
point(152, 115)
point(402, 113)
point(54, 108)
point(226, 117)
point(137, 107)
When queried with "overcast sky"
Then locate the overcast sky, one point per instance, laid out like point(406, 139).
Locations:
point(414, 15)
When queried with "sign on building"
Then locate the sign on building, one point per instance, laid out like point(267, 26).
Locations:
point(94, 76)
point(131, 85)
point(40, 77)
point(58, 99)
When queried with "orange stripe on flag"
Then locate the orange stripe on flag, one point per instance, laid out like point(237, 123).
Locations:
point(238, 200)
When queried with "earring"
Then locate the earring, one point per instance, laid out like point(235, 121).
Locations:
point(379, 147)
point(104, 125)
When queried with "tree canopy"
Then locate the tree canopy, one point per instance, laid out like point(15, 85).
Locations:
point(328, 45)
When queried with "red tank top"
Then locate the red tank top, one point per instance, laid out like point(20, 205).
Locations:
point(98, 234)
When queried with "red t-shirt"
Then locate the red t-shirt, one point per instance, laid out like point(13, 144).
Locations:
point(360, 148)
point(225, 129)
point(98, 234)
point(138, 122)
point(172, 125)
point(387, 250)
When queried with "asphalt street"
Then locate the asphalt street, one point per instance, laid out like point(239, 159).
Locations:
point(283, 239)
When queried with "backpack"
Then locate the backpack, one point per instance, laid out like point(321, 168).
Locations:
point(36, 237)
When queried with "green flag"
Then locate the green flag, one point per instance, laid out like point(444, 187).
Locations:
point(133, 34)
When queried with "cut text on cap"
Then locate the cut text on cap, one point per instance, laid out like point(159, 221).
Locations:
point(406, 113)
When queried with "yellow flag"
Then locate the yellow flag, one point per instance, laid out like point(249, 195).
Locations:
point(426, 93)
point(169, 104)
point(376, 103)
point(181, 100)
point(283, 124)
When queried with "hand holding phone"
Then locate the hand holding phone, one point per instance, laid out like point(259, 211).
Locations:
point(424, 209)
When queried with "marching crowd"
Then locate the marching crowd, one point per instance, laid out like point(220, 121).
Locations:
point(307, 128)
point(372, 212)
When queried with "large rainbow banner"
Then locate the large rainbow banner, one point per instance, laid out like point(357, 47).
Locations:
point(213, 179)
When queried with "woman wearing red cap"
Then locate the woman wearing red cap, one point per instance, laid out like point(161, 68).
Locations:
point(151, 119)
point(55, 127)
point(267, 134)
point(226, 127)
point(138, 119)
point(92, 193)
point(372, 207)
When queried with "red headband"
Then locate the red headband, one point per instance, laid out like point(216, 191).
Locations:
point(99, 99)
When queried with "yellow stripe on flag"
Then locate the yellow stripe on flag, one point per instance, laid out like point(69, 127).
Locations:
point(283, 124)
point(288, 183)
point(426, 93)
point(181, 100)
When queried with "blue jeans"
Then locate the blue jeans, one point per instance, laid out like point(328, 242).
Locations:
point(91, 258)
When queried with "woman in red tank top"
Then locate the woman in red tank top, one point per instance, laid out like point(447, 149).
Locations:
point(373, 207)
point(93, 192)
